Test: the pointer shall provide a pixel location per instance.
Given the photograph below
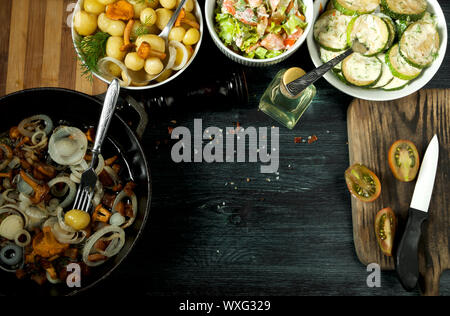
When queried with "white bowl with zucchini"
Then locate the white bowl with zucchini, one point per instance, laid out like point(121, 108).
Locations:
point(406, 42)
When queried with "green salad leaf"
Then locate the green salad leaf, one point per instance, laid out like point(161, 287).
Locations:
point(274, 28)
point(291, 25)
point(273, 53)
point(301, 7)
point(260, 52)
point(226, 27)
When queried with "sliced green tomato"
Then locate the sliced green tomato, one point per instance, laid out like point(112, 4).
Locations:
point(404, 160)
point(362, 183)
point(385, 228)
point(330, 30)
point(396, 84)
point(411, 10)
point(327, 55)
point(370, 30)
point(352, 7)
point(361, 71)
point(419, 44)
point(386, 76)
point(398, 65)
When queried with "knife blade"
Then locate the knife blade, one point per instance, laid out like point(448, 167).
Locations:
point(407, 262)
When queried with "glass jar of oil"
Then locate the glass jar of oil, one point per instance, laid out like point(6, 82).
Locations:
point(279, 104)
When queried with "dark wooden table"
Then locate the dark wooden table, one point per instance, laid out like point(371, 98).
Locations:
point(211, 232)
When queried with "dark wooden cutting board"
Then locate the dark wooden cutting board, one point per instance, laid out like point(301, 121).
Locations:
point(372, 128)
point(36, 47)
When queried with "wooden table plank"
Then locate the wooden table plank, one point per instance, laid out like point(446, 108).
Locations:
point(17, 46)
point(52, 38)
point(5, 17)
point(40, 52)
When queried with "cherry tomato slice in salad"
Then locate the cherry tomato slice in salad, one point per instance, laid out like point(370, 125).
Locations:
point(362, 183)
point(404, 160)
point(385, 228)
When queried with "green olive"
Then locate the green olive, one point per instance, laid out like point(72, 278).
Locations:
point(77, 219)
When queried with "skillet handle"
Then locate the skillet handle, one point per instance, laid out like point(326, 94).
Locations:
point(143, 116)
point(122, 110)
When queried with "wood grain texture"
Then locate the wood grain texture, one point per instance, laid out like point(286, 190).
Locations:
point(372, 128)
point(36, 48)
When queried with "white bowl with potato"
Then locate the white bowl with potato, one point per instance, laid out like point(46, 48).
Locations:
point(119, 38)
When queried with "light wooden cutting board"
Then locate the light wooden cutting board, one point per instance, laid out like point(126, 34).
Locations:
point(372, 128)
point(36, 47)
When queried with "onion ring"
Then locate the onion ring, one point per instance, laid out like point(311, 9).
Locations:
point(61, 221)
point(15, 208)
point(103, 70)
point(122, 194)
point(72, 189)
point(27, 241)
point(32, 120)
point(38, 144)
point(90, 242)
point(183, 62)
point(172, 57)
point(8, 199)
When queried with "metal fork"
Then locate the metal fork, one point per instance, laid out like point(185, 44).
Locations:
point(89, 178)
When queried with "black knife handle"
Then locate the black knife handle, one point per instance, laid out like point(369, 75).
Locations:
point(407, 260)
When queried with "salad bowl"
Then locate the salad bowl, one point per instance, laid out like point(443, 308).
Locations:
point(210, 16)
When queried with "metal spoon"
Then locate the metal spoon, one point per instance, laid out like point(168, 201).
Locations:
point(165, 35)
point(295, 87)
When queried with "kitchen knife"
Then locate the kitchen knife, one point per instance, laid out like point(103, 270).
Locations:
point(407, 262)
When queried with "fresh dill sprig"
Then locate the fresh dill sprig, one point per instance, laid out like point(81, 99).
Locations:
point(141, 30)
point(91, 48)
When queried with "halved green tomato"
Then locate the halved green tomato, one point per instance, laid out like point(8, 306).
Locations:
point(385, 227)
point(404, 160)
point(362, 183)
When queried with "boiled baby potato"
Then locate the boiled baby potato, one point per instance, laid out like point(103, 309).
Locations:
point(164, 16)
point(85, 23)
point(153, 66)
point(188, 6)
point(177, 34)
point(113, 45)
point(156, 42)
point(105, 2)
point(138, 6)
point(191, 37)
point(148, 16)
point(93, 6)
point(114, 69)
point(152, 3)
point(116, 28)
point(110, 26)
point(134, 62)
point(103, 22)
point(168, 4)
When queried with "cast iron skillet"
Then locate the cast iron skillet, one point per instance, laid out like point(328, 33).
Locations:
point(80, 110)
